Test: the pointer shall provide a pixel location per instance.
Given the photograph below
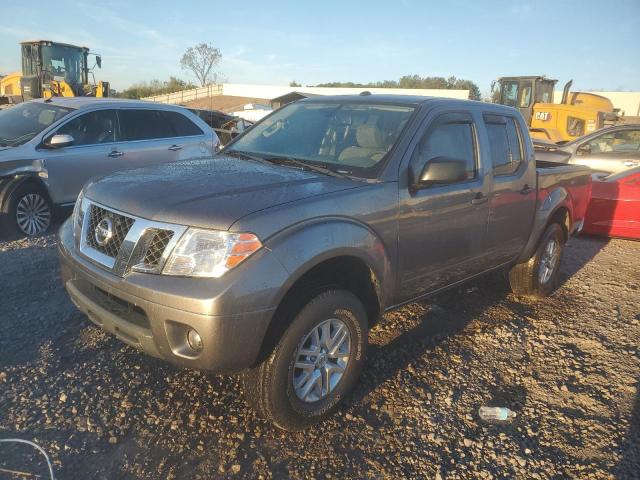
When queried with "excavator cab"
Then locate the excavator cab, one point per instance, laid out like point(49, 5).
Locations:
point(523, 92)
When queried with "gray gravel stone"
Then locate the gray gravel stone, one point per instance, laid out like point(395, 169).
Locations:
point(103, 410)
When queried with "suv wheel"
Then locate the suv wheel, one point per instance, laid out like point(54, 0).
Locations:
point(314, 366)
point(539, 275)
point(28, 210)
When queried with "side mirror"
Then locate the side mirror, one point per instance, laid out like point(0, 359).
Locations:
point(99, 61)
point(441, 170)
point(60, 141)
point(584, 149)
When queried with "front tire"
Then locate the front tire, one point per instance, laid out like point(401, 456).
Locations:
point(27, 210)
point(316, 363)
point(539, 275)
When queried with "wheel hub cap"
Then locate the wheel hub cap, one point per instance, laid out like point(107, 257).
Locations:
point(321, 360)
point(33, 214)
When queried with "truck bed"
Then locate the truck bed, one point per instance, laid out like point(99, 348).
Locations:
point(559, 185)
point(572, 182)
point(551, 174)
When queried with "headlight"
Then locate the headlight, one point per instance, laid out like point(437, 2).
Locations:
point(210, 253)
point(78, 216)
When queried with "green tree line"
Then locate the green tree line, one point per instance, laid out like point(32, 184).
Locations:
point(155, 87)
point(415, 81)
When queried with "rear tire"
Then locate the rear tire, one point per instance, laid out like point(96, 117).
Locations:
point(539, 275)
point(26, 211)
point(316, 363)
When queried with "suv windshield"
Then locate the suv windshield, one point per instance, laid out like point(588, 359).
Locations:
point(21, 123)
point(346, 138)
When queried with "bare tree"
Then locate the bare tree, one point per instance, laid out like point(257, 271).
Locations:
point(200, 60)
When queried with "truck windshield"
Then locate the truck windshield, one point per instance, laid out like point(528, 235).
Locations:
point(21, 123)
point(64, 63)
point(351, 139)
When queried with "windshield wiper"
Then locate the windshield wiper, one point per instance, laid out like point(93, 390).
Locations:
point(302, 164)
point(16, 141)
point(247, 156)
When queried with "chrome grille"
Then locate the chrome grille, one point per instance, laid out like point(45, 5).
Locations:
point(121, 226)
point(136, 244)
point(156, 248)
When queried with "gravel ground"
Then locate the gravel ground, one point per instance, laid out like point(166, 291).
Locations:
point(567, 365)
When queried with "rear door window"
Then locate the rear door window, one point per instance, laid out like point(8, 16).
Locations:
point(505, 142)
point(143, 125)
point(180, 125)
point(92, 128)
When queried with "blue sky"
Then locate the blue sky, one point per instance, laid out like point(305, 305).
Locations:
point(594, 42)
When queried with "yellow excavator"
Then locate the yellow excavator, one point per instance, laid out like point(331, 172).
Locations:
point(52, 69)
point(576, 115)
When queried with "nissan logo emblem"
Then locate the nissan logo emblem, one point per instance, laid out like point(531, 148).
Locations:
point(103, 232)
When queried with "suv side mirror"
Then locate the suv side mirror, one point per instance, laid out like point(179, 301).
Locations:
point(584, 149)
point(59, 141)
point(441, 170)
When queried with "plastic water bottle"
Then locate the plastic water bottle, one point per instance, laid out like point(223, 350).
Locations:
point(496, 414)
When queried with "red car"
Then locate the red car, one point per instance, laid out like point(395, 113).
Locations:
point(614, 209)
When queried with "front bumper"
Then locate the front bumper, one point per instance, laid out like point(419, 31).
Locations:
point(153, 313)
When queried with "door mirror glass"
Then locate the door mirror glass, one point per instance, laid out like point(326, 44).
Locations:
point(442, 170)
point(60, 141)
point(99, 61)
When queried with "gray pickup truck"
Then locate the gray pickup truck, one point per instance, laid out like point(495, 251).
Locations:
point(276, 256)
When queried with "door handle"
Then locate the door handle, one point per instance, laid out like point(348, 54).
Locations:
point(174, 148)
point(526, 190)
point(631, 164)
point(115, 153)
point(479, 199)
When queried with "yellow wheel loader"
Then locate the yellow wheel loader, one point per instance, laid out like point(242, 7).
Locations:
point(576, 115)
point(52, 69)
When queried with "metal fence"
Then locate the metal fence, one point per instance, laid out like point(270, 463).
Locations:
point(187, 95)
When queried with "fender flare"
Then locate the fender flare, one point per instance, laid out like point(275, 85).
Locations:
point(557, 199)
point(9, 184)
point(306, 245)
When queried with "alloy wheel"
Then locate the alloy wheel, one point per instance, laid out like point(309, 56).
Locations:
point(33, 214)
point(549, 261)
point(321, 360)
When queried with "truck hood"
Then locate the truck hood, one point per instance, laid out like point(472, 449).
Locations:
point(211, 193)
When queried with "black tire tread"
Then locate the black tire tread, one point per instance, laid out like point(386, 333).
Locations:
point(7, 206)
point(523, 277)
point(256, 380)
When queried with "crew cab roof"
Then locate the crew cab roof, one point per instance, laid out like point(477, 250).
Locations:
point(410, 101)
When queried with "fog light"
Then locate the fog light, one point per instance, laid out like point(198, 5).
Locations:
point(194, 339)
